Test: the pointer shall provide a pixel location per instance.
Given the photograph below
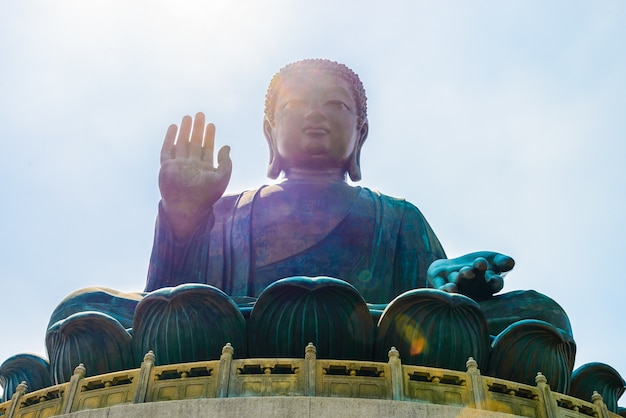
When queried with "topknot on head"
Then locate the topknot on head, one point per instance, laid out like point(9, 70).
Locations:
point(317, 64)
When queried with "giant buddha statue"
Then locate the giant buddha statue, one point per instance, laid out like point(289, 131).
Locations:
point(312, 223)
point(309, 258)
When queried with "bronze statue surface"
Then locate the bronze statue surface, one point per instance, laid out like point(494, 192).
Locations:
point(312, 223)
point(311, 258)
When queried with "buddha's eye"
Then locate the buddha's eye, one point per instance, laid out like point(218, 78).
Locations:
point(292, 104)
point(338, 104)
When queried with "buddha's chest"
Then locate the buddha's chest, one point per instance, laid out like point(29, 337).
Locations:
point(287, 222)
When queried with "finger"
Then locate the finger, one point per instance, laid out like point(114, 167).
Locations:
point(182, 143)
point(504, 262)
point(195, 143)
point(495, 283)
point(464, 277)
point(167, 150)
point(209, 144)
point(467, 273)
point(491, 275)
point(225, 165)
point(438, 282)
point(450, 288)
point(480, 264)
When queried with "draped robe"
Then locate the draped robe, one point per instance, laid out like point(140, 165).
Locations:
point(382, 246)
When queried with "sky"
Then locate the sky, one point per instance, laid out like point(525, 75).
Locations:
point(504, 122)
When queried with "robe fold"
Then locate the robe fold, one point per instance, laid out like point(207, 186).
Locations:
point(382, 246)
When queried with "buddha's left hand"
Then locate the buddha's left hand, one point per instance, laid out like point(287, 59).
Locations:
point(477, 275)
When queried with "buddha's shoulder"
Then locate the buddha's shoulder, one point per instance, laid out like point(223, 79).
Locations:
point(393, 201)
point(398, 206)
point(389, 204)
point(227, 203)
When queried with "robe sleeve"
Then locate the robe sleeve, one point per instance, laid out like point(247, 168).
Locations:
point(173, 263)
point(417, 247)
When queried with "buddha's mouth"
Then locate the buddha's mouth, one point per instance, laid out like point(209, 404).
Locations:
point(315, 130)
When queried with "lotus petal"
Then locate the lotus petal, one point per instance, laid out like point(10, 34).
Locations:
point(190, 322)
point(433, 328)
point(530, 346)
point(95, 339)
point(30, 368)
point(118, 305)
point(507, 308)
point(601, 378)
point(294, 311)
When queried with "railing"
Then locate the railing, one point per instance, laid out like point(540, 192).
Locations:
point(228, 377)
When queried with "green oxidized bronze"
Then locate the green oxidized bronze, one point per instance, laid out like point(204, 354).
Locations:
point(310, 259)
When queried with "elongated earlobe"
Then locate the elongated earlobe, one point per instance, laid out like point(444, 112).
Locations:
point(354, 164)
point(274, 167)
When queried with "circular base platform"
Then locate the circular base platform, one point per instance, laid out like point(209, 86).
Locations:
point(285, 406)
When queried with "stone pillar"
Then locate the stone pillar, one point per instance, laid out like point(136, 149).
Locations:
point(144, 377)
point(545, 397)
point(475, 383)
point(598, 401)
point(397, 379)
point(310, 372)
point(72, 388)
point(20, 390)
point(223, 371)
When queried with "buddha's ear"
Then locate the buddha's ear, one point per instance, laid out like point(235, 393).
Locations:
point(354, 165)
point(274, 167)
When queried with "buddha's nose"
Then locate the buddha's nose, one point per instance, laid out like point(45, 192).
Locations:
point(315, 112)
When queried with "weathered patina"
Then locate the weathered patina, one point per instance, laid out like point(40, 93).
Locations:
point(309, 259)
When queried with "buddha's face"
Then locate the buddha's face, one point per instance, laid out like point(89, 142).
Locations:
point(315, 122)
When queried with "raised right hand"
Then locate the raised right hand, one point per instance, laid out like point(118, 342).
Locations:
point(188, 180)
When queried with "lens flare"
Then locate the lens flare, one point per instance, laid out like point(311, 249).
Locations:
point(412, 335)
